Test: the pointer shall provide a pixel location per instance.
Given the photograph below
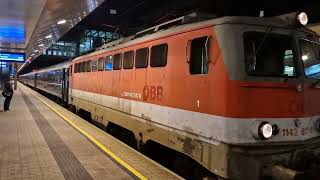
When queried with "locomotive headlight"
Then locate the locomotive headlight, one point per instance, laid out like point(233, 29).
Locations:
point(265, 130)
point(262, 130)
point(302, 18)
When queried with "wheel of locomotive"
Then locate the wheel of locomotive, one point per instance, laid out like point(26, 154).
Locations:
point(129, 138)
point(72, 108)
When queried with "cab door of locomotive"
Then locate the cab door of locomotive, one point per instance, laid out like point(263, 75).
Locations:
point(200, 69)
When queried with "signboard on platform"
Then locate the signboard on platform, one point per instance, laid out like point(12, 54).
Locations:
point(12, 57)
point(4, 65)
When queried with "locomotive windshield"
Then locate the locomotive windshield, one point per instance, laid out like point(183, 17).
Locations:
point(269, 54)
point(311, 58)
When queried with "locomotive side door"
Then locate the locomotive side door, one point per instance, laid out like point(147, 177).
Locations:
point(198, 51)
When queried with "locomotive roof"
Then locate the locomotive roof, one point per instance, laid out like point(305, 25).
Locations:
point(260, 21)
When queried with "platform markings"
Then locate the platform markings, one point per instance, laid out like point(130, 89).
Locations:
point(96, 142)
point(70, 166)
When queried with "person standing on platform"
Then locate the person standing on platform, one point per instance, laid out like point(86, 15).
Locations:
point(7, 93)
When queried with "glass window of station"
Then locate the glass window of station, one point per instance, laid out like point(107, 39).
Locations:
point(93, 39)
point(62, 48)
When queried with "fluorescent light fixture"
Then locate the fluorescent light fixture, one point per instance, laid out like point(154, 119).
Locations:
point(113, 11)
point(41, 45)
point(63, 21)
point(21, 67)
point(36, 51)
point(49, 36)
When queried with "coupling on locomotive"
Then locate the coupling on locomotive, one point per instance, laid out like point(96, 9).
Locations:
point(239, 96)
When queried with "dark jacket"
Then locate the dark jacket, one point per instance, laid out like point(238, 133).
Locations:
point(8, 88)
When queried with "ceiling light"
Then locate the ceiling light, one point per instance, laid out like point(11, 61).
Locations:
point(63, 21)
point(36, 51)
point(49, 36)
point(41, 45)
point(305, 57)
point(113, 11)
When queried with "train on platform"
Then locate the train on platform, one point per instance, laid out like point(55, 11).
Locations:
point(235, 97)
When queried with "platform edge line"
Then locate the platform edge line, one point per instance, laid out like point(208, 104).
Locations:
point(96, 142)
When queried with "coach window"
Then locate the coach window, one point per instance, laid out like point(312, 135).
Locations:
point(159, 55)
point(128, 60)
point(199, 55)
point(101, 64)
point(142, 56)
point(94, 66)
point(108, 63)
point(88, 66)
point(269, 55)
point(117, 62)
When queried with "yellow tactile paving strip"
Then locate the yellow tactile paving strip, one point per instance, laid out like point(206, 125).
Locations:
point(69, 164)
point(25, 154)
point(138, 162)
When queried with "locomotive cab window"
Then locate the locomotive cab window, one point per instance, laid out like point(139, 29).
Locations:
point(142, 56)
point(269, 55)
point(199, 55)
point(117, 62)
point(101, 64)
point(128, 60)
point(311, 58)
point(159, 55)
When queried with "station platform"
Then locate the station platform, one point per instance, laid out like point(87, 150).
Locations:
point(41, 140)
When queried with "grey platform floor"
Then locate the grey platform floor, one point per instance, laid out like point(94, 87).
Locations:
point(36, 143)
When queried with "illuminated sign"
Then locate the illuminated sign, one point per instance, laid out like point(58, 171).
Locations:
point(108, 64)
point(3, 64)
point(13, 57)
